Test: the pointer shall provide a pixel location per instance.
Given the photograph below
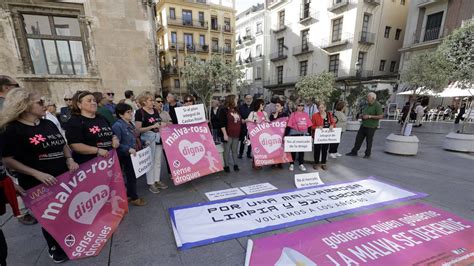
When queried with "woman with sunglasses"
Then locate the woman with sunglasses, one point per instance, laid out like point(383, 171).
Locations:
point(35, 149)
point(89, 134)
point(258, 116)
point(188, 100)
point(321, 119)
point(299, 123)
point(148, 121)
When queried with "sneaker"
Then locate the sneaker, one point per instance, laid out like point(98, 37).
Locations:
point(366, 156)
point(249, 156)
point(160, 185)
point(138, 202)
point(240, 156)
point(333, 155)
point(226, 169)
point(302, 168)
point(351, 154)
point(59, 257)
point(27, 219)
point(292, 167)
point(153, 189)
point(324, 167)
point(315, 166)
point(236, 168)
point(51, 251)
point(338, 154)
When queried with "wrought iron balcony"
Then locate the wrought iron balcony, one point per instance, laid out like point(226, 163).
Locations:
point(337, 43)
point(366, 37)
point(279, 55)
point(227, 29)
point(307, 17)
point(303, 49)
point(279, 28)
point(431, 34)
point(200, 24)
point(372, 2)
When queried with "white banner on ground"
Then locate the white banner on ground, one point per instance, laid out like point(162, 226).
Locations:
point(206, 223)
point(190, 114)
point(298, 144)
point(258, 188)
point(308, 180)
point(326, 135)
point(142, 162)
point(224, 194)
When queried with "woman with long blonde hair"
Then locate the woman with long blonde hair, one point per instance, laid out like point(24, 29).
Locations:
point(34, 148)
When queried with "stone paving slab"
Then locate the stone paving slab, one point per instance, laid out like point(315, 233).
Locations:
point(145, 238)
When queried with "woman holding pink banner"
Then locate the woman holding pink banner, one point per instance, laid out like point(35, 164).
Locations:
point(279, 113)
point(299, 122)
point(130, 143)
point(148, 121)
point(35, 149)
point(321, 119)
point(89, 134)
point(231, 122)
point(258, 115)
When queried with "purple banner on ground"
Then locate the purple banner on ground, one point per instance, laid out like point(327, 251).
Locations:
point(416, 234)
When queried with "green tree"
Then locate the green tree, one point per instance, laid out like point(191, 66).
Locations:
point(356, 99)
point(427, 71)
point(319, 87)
point(458, 50)
point(204, 78)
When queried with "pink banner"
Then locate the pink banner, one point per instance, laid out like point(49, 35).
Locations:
point(84, 208)
point(190, 151)
point(415, 234)
point(267, 142)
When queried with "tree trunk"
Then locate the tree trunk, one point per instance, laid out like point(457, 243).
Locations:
point(464, 122)
point(407, 118)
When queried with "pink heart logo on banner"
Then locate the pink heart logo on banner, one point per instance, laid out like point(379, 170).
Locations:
point(85, 206)
point(193, 152)
point(269, 142)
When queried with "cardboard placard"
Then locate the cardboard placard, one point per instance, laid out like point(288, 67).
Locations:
point(224, 194)
point(142, 162)
point(298, 144)
point(326, 135)
point(190, 114)
point(258, 188)
point(308, 180)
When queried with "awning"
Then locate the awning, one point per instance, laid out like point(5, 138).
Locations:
point(418, 91)
point(454, 90)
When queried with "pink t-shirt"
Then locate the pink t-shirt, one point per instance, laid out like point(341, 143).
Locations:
point(299, 121)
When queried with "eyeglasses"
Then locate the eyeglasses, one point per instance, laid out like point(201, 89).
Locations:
point(300, 105)
point(159, 101)
point(110, 93)
point(68, 99)
point(188, 101)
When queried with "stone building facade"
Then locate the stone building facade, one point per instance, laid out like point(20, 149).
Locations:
point(59, 47)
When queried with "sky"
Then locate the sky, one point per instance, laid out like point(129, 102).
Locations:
point(241, 5)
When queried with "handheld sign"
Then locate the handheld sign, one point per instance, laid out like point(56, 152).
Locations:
point(142, 162)
point(298, 144)
point(326, 135)
point(224, 194)
point(190, 114)
point(308, 180)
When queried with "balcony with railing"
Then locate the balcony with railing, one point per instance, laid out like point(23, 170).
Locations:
point(334, 5)
point(227, 50)
point(248, 39)
point(354, 73)
point(366, 37)
point(227, 29)
point(278, 28)
point(306, 17)
point(431, 34)
point(279, 55)
point(215, 27)
point(199, 24)
point(372, 2)
point(303, 49)
point(284, 81)
point(424, 3)
point(169, 71)
point(337, 43)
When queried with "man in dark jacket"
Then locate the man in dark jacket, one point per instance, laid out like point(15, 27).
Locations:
point(245, 110)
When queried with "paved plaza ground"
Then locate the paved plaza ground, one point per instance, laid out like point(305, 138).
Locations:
point(145, 237)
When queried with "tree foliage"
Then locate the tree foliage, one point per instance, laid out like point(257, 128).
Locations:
point(319, 87)
point(458, 50)
point(356, 99)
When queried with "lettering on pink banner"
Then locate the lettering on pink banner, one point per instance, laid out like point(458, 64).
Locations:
point(267, 142)
point(190, 151)
point(84, 208)
point(416, 234)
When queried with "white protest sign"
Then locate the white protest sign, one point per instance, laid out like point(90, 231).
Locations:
point(206, 223)
point(326, 135)
point(142, 162)
point(190, 114)
point(258, 188)
point(224, 194)
point(298, 144)
point(308, 180)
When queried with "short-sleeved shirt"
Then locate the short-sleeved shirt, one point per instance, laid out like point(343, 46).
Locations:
point(372, 109)
point(147, 119)
point(95, 132)
point(39, 147)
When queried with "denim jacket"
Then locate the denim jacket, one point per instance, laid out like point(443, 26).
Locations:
point(126, 135)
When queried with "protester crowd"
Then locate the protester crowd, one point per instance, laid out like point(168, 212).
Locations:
point(92, 124)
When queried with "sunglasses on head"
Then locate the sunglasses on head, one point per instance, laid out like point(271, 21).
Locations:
point(110, 93)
